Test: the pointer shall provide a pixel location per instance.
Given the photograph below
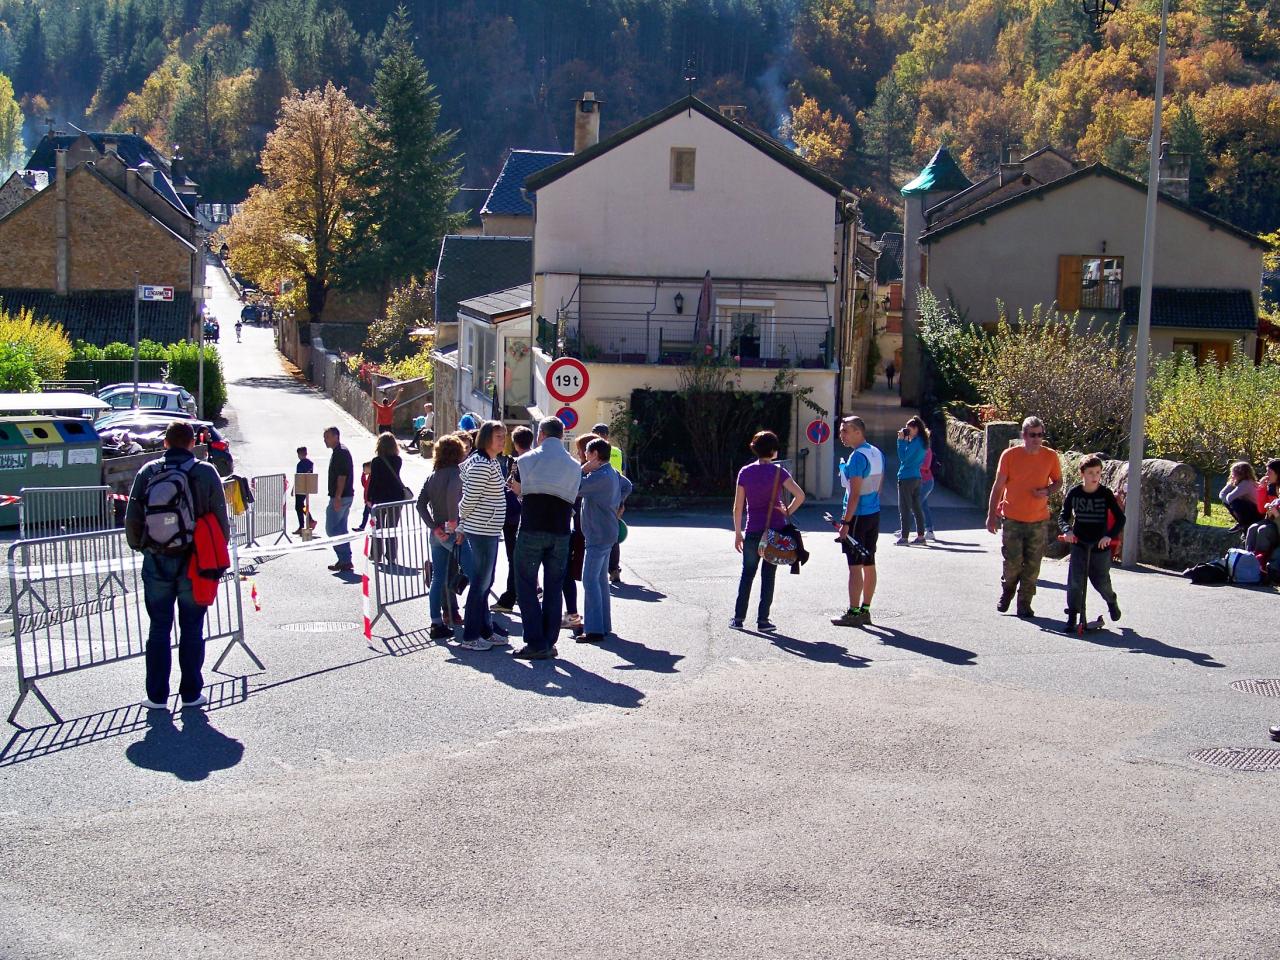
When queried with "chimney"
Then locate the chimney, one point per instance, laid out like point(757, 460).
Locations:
point(586, 122)
point(1175, 174)
point(1010, 170)
point(148, 173)
point(733, 111)
point(62, 270)
point(177, 168)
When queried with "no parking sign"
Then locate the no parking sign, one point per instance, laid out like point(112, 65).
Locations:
point(818, 432)
point(568, 416)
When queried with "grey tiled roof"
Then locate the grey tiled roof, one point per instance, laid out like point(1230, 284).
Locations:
point(106, 316)
point(889, 267)
point(507, 196)
point(1194, 307)
point(472, 266)
point(129, 147)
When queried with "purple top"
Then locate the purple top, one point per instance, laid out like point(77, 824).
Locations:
point(757, 480)
point(926, 468)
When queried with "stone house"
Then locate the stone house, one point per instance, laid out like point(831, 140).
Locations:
point(1046, 230)
point(74, 251)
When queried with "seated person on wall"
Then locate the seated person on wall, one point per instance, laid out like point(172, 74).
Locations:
point(1264, 536)
point(1240, 496)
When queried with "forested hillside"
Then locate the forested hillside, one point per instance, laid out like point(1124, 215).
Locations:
point(866, 89)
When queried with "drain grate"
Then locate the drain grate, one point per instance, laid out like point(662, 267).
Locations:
point(320, 626)
point(1242, 759)
point(1261, 688)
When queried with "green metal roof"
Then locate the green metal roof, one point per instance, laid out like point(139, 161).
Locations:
point(940, 173)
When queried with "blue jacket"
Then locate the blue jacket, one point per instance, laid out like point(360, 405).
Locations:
point(603, 492)
point(549, 469)
point(910, 458)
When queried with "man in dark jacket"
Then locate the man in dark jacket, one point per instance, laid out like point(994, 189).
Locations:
point(165, 577)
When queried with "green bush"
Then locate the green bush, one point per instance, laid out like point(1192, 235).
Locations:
point(46, 344)
point(17, 369)
point(952, 350)
point(184, 369)
point(1209, 416)
point(177, 363)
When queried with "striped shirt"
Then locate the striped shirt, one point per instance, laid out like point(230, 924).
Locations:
point(483, 508)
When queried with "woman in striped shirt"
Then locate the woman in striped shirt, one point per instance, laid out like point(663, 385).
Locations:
point(483, 510)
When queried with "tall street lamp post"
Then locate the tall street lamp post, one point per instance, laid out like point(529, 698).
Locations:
point(1099, 11)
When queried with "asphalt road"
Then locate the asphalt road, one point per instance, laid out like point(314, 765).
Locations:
point(948, 783)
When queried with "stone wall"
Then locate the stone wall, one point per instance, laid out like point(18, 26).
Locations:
point(967, 456)
point(330, 374)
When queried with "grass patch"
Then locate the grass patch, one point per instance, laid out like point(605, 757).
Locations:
point(1218, 517)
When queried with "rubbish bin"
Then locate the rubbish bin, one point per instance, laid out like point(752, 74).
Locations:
point(46, 452)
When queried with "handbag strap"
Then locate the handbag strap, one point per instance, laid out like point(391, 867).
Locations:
point(773, 499)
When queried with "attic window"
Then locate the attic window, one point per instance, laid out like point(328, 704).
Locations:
point(682, 160)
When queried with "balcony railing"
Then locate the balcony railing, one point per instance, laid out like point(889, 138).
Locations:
point(779, 342)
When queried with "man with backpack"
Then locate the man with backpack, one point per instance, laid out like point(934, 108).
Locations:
point(168, 500)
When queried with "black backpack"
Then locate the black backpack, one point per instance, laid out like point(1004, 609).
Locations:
point(169, 514)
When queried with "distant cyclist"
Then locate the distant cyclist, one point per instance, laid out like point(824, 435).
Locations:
point(239, 327)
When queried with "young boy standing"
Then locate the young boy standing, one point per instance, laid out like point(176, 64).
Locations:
point(1090, 518)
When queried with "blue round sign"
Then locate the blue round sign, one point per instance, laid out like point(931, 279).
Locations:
point(818, 432)
point(568, 416)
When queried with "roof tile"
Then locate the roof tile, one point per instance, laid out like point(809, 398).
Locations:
point(1194, 307)
point(102, 317)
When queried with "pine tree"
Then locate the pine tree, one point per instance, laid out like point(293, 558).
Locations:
point(405, 173)
point(1185, 136)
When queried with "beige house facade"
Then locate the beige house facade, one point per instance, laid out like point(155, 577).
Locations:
point(690, 208)
point(1074, 243)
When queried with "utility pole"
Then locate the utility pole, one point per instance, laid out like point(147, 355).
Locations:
point(1138, 425)
point(136, 293)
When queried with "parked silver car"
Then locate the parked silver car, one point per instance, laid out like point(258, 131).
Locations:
point(151, 396)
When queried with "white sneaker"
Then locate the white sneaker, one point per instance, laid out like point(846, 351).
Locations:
point(199, 701)
point(930, 535)
point(477, 644)
point(152, 705)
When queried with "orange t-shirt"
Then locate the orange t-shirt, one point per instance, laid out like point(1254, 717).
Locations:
point(1025, 472)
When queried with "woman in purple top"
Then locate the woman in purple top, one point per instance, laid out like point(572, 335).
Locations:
point(756, 484)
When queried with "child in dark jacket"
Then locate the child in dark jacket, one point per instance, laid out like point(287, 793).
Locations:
point(1090, 518)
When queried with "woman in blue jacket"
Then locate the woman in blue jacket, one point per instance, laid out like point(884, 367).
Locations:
point(913, 442)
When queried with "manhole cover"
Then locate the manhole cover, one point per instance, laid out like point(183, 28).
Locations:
point(320, 626)
point(1246, 759)
point(1261, 688)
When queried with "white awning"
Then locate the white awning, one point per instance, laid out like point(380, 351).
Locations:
point(50, 402)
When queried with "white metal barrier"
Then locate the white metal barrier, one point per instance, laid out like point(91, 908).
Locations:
point(399, 552)
point(54, 511)
point(78, 603)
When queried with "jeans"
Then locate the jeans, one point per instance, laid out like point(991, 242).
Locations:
point(595, 589)
point(926, 488)
point(909, 504)
point(1094, 564)
point(1244, 511)
point(437, 594)
point(1023, 547)
point(508, 598)
point(615, 559)
point(164, 582)
point(548, 552)
point(335, 523)
point(479, 560)
point(750, 561)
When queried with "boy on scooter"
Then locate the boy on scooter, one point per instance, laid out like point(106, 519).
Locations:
point(1089, 520)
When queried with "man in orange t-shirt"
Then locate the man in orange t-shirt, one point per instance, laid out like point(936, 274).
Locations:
point(384, 412)
point(1025, 479)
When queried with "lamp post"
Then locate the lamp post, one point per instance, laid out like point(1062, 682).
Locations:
point(202, 295)
point(1099, 11)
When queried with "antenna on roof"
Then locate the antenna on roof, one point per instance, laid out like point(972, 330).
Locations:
point(690, 78)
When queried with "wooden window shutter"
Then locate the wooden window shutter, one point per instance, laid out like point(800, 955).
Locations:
point(1070, 278)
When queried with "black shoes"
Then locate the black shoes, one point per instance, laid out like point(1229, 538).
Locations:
point(1025, 613)
point(439, 631)
point(531, 653)
point(336, 567)
point(1006, 598)
point(589, 638)
point(1073, 621)
point(766, 626)
point(1113, 609)
point(1275, 733)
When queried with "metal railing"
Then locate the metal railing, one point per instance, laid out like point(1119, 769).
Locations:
point(399, 550)
point(50, 511)
point(267, 515)
point(78, 603)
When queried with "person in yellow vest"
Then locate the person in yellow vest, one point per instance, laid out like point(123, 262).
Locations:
point(615, 460)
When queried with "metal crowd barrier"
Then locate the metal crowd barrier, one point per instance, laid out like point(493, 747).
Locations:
point(399, 550)
point(267, 515)
point(52, 511)
point(78, 603)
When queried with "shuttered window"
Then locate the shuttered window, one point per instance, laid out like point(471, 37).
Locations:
point(1089, 282)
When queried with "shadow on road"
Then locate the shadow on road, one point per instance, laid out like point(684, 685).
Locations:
point(35, 742)
point(551, 678)
point(818, 651)
point(637, 591)
point(190, 752)
point(1134, 642)
point(640, 657)
point(281, 382)
point(928, 648)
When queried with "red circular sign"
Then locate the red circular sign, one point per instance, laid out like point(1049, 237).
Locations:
point(818, 432)
point(567, 380)
point(568, 416)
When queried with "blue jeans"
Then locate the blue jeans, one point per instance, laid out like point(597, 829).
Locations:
point(335, 523)
point(768, 576)
point(548, 552)
point(165, 582)
point(595, 589)
point(480, 556)
point(926, 488)
point(441, 556)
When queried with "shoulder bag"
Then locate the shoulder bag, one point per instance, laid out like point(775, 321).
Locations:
point(777, 547)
